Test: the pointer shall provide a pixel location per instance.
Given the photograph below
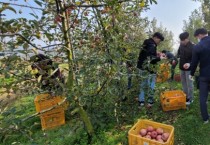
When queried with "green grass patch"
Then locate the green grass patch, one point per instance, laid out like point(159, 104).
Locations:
point(189, 127)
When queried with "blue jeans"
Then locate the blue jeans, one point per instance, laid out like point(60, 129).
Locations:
point(147, 85)
point(187, 84)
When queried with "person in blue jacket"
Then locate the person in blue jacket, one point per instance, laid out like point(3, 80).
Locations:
point(201, 56)
point(147, 61)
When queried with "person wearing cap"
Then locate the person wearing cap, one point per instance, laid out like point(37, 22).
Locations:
point(147, 59)
point(201, 53)
point(185, 56)
point(172, 60)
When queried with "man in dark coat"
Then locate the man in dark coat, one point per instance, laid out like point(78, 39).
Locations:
point(201, 56)
point(148, 58)
point(185, 55)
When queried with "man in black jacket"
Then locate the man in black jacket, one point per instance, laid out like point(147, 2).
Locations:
point(201, 56)
point(185, 55)
point(147, 60)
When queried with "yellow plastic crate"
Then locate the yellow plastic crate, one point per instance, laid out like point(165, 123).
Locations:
point(173, 100)
point(135, 139)
point(53, 118)
point(45, 101)
point(163, 73)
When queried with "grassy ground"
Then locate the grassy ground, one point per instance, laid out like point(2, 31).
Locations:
point(189, 128)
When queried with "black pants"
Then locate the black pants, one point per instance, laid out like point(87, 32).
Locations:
point(203, 93)
point(173, 66)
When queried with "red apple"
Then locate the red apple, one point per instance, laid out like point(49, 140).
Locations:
point(150, 128)
point(159, 137)
point(143, 132)
point(148, 136)
point(154, 134)
point(159, 131)
point(165, 136)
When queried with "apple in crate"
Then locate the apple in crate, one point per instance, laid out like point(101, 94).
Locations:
point(143, 132)
point(150, 128)
point(165, 136)
point(159, 131)
point(154, 134)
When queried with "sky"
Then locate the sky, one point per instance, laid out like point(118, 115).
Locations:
point(171, 14)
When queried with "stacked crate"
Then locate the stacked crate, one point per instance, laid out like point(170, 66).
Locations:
point(54, 117)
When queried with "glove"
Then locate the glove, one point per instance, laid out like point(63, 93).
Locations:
point(191, 78)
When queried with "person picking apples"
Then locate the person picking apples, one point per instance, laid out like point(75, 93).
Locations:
point(147, 61)
point(172, 60)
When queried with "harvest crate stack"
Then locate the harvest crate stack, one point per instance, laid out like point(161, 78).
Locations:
point(135, 136)
point(54, 117)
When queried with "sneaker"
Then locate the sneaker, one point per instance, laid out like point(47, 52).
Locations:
point(189, 102)
point(205, 122)
point(141, 103)
point(149, 105)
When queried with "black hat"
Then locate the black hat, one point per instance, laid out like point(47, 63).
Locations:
point(183, 36)
point(158, 35)
point(200, 31)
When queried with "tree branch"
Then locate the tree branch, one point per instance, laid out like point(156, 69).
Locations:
point(94, 6)
point(52, 45)
point(17, 34)
point(6, 3)
point(46, 110)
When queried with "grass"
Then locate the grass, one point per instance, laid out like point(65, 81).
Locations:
point(189, 127)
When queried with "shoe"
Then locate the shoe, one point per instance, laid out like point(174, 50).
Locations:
point(205, 122)
point(141, 103)
point(149, 105)
point(189, 102)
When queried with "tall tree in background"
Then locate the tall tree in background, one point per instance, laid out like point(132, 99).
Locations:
point(195, 21)
point(205, 8)
point(87, 36)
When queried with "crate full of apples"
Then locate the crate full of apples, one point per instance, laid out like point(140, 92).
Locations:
point(146, 132)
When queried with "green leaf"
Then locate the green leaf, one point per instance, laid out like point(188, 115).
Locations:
point(11, 9)
point(39, 78)
point(25, 45)
point(155, 1)
point(20, 11)
point(38, 2)
point(34, 15)
point(22, 51)
point(1, 47)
